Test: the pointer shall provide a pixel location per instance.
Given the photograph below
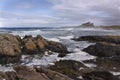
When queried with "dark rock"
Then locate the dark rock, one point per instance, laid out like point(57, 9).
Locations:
point(68, 67)
point(10, 49)
point(103, 49)
point(52, 75)
point(40, 45)
point(99, 75)
point(57, 47)
point(108, 63)
point(109, 39)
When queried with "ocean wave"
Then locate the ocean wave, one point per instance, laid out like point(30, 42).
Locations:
point(30, 32)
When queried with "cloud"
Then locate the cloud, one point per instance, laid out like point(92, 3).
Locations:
point(106, 12)
point(14, 19)
point(59, 12)
point(25, 6)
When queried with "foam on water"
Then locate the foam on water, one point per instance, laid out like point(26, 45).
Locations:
point(78, 56)
point(44, 61)
point(54, 39)
point(5, 69)
point(67, 37)
point(30, 32)
point(115, 73)
point(50, 59)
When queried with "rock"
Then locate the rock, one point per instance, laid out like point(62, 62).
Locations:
point(10, 49)
point(52, 74)
point(103, 49)
point(68, 67)
point(38, 44)
point(99, 75)
point(109, 39)
point(87, 24)
point(108, 63)
point(29, 45)
point(11, 75)
point(3, 76)
point(57, 47)
point(29, 73)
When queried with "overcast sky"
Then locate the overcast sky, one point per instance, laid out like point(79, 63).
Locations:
point(27, 13)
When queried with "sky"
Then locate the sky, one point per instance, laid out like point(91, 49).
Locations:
point(37, 13)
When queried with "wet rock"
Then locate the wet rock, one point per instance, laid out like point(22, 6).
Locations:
point(52, 75)
point(68, 67)
point(109, 39)
point(57, 47)
point(108, 63)
point(11, 75)
point(40, 45)
point(29, 73)
point(10, 49)
point(3, 76)
point(103, 49)
point(99, 75)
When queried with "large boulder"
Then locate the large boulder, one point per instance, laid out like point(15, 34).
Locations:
point(10, 49)
point(103, 49)
point(70, 68)
point(40, 45)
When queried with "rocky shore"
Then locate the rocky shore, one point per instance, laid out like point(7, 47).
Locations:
point(12, 47)
point(106, 50)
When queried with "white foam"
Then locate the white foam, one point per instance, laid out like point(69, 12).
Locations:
point(67, 37)
point(5, 69)
point(30, 32)
point(79, 56)
point(54, 39)
point(51, 59)
point(90, 65)
point(44, 61)
point(115, 73)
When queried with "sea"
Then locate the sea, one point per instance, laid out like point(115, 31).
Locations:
point(63, 35)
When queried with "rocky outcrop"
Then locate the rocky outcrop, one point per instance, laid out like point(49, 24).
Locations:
point(103, 49)
point(87, 24)
point(99, 75)
point(107, 63)
point(40, 45)
point(10, 49)
point(106, 46)
point(68, 67)
point(30, 73)
point(108, 39)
